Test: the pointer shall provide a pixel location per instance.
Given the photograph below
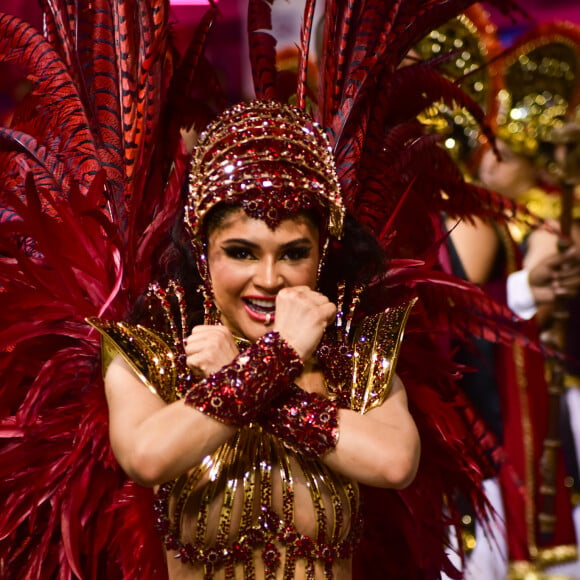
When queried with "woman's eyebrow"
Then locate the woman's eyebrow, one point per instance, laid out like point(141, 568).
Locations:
point(241, 241)
point(297, 242)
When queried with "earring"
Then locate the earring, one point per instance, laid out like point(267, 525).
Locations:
point(354, 301)
point(211, 314)
point(340, 293)
point(322, 260)
point(210, 311)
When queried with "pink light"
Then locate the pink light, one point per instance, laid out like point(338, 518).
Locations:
point(189, 2)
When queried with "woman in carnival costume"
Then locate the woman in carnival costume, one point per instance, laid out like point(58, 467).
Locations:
point(270, 429)
point(265, 422)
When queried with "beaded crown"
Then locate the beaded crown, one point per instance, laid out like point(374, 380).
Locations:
point(541, 73)
point(271, 159)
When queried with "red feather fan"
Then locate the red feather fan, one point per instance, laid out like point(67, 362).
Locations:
point(91, 170)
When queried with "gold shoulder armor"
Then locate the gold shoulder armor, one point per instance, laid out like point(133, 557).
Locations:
point(146, 352)
point(376, 348)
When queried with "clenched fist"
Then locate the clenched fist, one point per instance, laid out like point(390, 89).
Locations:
point(208, 349)
point(301, 317)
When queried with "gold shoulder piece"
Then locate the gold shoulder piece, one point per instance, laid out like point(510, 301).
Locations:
point(376, 348)
point(146, 352)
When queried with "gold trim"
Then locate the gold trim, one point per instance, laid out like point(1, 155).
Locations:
point(528, 441)
point(376, 349)
point(147, 353)
point(524, 570)
point(557, 555)
point(572, 381)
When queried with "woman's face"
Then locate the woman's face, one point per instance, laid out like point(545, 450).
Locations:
point(249, 264)
point(512, 176)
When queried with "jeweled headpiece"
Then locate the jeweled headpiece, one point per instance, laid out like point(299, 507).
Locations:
point(471, 41)
point(541, 84)
point(271, 159)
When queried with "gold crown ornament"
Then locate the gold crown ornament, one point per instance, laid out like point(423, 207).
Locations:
point(472, 43)
point(271, 159)
point(541, 75)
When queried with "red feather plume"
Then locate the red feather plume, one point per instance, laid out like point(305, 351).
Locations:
point(304, 52)
point(91, 182)
point(262, 48)
point(51, 129)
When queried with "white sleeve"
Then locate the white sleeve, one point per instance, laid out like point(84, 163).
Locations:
point(519, 295)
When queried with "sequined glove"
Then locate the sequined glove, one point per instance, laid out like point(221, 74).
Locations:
point(306, 422)
point(237, 393)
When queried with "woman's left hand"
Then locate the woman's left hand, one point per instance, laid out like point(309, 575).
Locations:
point(209, 348)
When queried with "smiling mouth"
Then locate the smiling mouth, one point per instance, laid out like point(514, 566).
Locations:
point(261, 308)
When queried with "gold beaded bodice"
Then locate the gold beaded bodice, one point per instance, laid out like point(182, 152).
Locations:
point(254, 502)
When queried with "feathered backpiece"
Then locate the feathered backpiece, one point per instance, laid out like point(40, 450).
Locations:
point(92, 167)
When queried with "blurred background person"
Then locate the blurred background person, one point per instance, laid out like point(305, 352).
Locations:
point(508, 387)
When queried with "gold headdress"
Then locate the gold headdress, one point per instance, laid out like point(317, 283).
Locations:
point(271, 159)
point(541, 85)
point(472, 39)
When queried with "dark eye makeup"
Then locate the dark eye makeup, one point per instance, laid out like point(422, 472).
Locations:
point(297, 252)
point(238, 252)
point(291, 253)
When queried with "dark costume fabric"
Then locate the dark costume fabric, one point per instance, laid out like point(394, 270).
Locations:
point(92, 167)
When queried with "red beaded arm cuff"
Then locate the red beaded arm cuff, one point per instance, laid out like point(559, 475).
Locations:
point(237, 393)
point(305, 422)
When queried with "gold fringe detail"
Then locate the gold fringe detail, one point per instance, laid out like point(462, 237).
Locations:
point(523, 570)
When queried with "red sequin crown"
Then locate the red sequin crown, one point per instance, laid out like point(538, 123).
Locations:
point(271, 159)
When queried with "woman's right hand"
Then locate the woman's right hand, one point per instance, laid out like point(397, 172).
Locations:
point(301, 318)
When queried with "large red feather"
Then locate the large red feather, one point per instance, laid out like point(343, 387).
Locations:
point(59, 129)
point(305, 35)
point(262, 48)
